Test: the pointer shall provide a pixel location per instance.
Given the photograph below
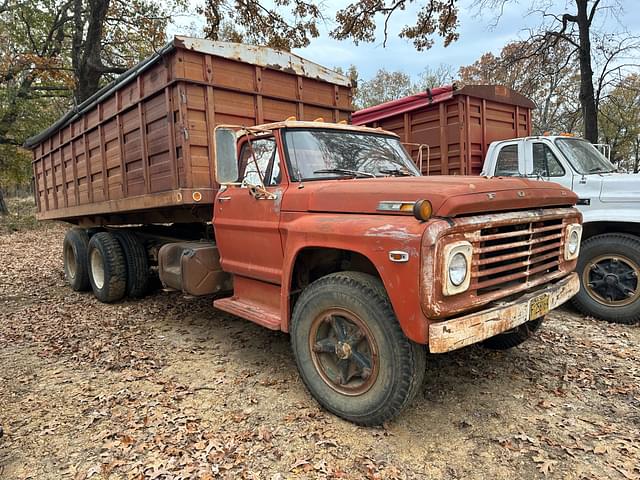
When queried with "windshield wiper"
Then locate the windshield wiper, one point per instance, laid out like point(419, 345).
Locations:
point(395, 172)
point(346, 171)
point(599, 170)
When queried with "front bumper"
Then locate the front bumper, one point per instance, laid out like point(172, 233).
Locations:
point(462, 331)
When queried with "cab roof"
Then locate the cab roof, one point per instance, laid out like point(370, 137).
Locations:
point(321, 125)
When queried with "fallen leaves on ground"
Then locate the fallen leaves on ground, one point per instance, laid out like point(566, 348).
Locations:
point(168, 388)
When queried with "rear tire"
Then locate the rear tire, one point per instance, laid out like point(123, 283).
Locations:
point(107, 268)
point(137, 263)
point(76, 259)
point(514, 337)
point(350, 350)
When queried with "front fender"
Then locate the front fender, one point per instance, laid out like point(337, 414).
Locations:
point(372, 236)
point(603, 212)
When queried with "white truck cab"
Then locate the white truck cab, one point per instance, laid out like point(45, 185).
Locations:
point(609, 262)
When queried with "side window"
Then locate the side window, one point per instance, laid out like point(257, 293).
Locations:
point(265, 166)
point(507, 163)
point(545, 162)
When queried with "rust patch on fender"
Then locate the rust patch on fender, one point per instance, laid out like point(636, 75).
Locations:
point(391, 230)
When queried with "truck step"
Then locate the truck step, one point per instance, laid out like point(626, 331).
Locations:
point(257, 313)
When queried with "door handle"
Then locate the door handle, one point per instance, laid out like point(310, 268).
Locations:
point(224, 199)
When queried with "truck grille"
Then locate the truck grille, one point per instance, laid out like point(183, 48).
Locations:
point(513, 255)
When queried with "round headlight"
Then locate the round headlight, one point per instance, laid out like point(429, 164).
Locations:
point(574, 241)
point(458, 269)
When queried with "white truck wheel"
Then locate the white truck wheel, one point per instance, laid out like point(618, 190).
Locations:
point(609, 267)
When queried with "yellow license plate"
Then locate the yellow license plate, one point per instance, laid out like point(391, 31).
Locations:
point(538, 306)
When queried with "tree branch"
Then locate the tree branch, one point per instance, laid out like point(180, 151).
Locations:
point(9, 141)
point(593, 11)
point(386, 20)
point(107, 69)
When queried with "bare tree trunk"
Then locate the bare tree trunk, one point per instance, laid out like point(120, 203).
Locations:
point(3, 205)
point(87, 51)
point(587, 94)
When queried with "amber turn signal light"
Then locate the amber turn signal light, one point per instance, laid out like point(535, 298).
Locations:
point(422, 210)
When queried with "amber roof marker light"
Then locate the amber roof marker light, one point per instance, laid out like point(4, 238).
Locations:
point(422, 210)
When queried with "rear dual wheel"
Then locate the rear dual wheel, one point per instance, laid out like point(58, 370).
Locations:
point(75, 255)
point(107, 268)
point(135, 256)
point(112, 264)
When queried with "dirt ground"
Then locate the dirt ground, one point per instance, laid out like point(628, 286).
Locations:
point(167, 387)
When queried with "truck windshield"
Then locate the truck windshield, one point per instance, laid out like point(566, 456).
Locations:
point(583, 156)
point(316, 154)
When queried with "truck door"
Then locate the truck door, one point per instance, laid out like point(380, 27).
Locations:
point(247, 221)
point(509, 160)
point(545, 164)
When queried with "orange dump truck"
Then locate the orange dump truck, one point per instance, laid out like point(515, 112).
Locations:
point(192, 167)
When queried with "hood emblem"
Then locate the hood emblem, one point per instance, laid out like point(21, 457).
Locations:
point(491, 195)
point(521, 193)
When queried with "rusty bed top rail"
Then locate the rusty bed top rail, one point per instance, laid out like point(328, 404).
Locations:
point(257, 55)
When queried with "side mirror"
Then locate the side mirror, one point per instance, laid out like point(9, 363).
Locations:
point(226, 160)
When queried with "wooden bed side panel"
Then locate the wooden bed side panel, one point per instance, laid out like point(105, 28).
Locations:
point(222, 91)
point(458, 131)
point(437, 126)
point(111, 152)
point(160, 155)
point(152, 139)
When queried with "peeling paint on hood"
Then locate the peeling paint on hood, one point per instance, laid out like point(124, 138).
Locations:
point(450, 196)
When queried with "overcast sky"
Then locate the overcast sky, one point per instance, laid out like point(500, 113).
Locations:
point(477, 36)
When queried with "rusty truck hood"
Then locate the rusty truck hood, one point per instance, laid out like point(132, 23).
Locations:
point(450, 196)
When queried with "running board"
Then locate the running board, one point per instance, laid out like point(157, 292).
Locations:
point(251, 311)
point(253, 300)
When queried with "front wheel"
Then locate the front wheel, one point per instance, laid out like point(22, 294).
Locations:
point(609, 267)
point(514, 337)
point(350, 350)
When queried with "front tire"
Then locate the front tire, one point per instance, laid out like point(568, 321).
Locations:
point(609, 267)
point(350, 350)
point(107, 268)
point(514, 337)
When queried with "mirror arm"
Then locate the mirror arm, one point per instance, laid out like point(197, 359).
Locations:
point(261, 193)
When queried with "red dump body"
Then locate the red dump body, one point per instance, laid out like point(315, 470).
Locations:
point(457, 125)
point(141, 149)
